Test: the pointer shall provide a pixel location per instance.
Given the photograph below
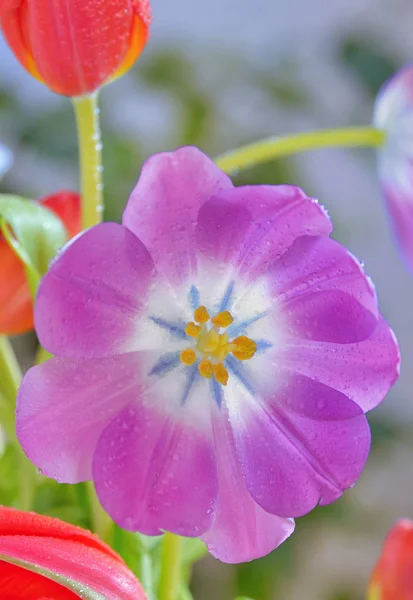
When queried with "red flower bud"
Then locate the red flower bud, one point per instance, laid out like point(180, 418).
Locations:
point(392, 578)
point(44, 558)
point(75, 46)
point(16, 306)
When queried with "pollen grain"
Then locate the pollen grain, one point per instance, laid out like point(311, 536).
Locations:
point(188, 357)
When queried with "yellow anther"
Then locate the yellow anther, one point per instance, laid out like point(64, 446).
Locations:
point(192, 330)
point(213, 347)
point(223, 319)
point(221, 374)
point(206, 369)
point(244, 348)
point(201, 315)
point(188, 356)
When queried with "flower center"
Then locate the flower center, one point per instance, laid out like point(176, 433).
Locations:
point(212, 345)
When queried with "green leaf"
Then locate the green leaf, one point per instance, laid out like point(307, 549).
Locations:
point(33, 232)
point(32, 274)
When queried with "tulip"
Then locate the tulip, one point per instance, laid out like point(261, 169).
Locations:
point(392, 578)
point(45, 558)
point(75, 46)
point(393, 114)
point(16, 307)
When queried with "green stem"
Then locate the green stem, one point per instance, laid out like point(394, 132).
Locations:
point(274, 147)
point(90, 158)
point(10, 377)
point(146, 574)
point(169, 583)
point(7, 420)
point(10, 373)
point(102, 524)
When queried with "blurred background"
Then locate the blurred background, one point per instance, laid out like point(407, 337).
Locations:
point(218, 74)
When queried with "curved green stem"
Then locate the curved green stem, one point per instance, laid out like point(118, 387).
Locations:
point(274, 147)
point(90, 158)
point(169, 583)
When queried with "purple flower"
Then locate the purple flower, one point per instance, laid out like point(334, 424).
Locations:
point(393, 113)
point(215, 355)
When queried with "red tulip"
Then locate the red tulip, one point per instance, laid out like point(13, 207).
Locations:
point(75, 46)
point(16, 307)
point(43, 558)
point(392, 578)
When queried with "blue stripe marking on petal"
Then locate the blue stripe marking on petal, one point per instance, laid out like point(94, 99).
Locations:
point(175, 329)
point(166, 363)
point(238, 328)
point(217, 391)
point(262, 346)
point(227, 297)
point(239, 371)
point(194, 297)
point(192, 377)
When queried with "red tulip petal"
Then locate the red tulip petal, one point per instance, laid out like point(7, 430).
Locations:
point(19, 523)
point(21, 584)
point(16, 310)
point(139, 36)
point(16, 307)
point(66, 206)
point(392, 578)
point(77, 46)
point(15, 34)
point(66, 554)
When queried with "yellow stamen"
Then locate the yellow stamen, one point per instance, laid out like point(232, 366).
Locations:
point(223, 319)
point(206, 369)
point(244, 348)
point(201, 315)
point(213, 347)
point(221, 374)
point(188, 357)
point(192, 330)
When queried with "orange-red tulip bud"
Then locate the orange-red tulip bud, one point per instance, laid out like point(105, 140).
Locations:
point(75, 46)
point(16, 305)
point(392, 578)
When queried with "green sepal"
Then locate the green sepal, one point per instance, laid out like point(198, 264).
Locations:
point(34, 234)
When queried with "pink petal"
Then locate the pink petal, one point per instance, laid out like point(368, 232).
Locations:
point(322, 292)
point(63, 406)
point(393, 113)
point(152, 472)
point(306, 443)
point(363, 371)
point(241, 530)
point(89, 302)
point(164, 205)
point(250, 227)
